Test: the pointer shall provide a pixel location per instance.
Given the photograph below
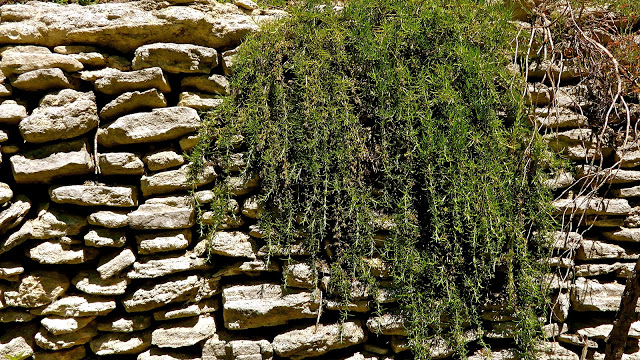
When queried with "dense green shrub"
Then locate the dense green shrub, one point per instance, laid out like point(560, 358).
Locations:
point(403, 108)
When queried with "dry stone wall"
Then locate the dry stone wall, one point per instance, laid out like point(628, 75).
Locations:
point(100, 254)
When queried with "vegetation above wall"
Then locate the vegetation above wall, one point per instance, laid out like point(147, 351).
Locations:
point(397, 121)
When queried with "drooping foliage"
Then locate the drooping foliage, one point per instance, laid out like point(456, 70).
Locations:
point(395, 120)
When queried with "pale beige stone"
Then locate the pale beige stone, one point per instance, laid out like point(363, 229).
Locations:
point(175, 180)
point(24, 49)
point(120, 163)
point(554, 351)
point(5, 90)
point(155, 294)
point(165, 354)
point(213, 84)
point(187, 310)
point(124, 324)
point(5, 193)
point(57, 252)
point(387, 324)
point(317, 340)
point(133, 101)
point(95, 195)
point(245, 4)
point(163, 242)
point(157, 266)
point(92, 59)
point(111, 265)
point(10, 271)
point(199, 101)
point(621, 270)
point(11, 112)
point(120, 344)
point(591, 295)
point(37, 289)
point(633, 191)
point(592, 206)
point(43, 79)
point(624, 234)
point(59, 325)
point(19, 341)
point(252, 208)
point(160, 124)
point(61, 115)
point(234, 244)
point(188, 142)
point(11, 217)
point(252, 306)
point(19, 63)
point(125, 26)
point(92, 283)
point(242, 185)
point(222, 346)
point(79, 306)
point(116, 82)
point(52, 161)
point(48, 341)
point(577, 144)
point(105, 237)
point(162, 217)
point(184, 333)
point(176, 58)
point(628, 156)
point(299, 275)
point(109, 219)
point(163, 159)
point(558, 118)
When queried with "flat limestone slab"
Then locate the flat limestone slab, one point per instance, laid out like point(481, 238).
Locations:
point(176, 58)
point(95, 195)
point(124, 26)
point(158, 125)
point(112, 81)
point(131, 101)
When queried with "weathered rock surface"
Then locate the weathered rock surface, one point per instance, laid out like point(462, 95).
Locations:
point(109, 219)
point(176, 58)
point(51, 224)
point(124, 26)
point(175, 180)
point(162, 216)
point(11, 112)
point(113, 264)
point(234, 244)
point(252, 306)
point(592, 206)
point(59, 252)
point(596, 250)
point(20, 63)
point(10, 271)
point(19, 341)
point(161, 266)
point(299, 274)
point(11, 217)
point(105, 237)
point(164, 354)
point(48, 341)
point(124, 324)
point(184, 333)
point(120, 344)
point(59, 325)
point(132, 101)
point(387, 324)
point(76, 353)
point(43, 79)
point(114, 82)
point(318, 340)
point(120, 163)
point(164, 159)
point(577, 144)
point(199, 101)
point(153, 295)
point(621, 270)
point(158, 125)
point(214, 84)
point(220, 348)
point(37, 289)
point(163, 242)
point(554, 351)
point(95, 195)
point(52, 161)
point(558, 118)
point(187, 310)
point(79, 306)
point(5, 193)
point(92, 283)
point(591, 295)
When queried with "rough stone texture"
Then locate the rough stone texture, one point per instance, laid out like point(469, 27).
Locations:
point(79, 306)
point(52, 161)
point(120, 344)
point(113, 264)
point(251, 306)
point(554, 351)
point(158, 125)
point(187, 310)
point(43, 79)
point(577, 144)
point(105, 237)
point(559, 118)
point(11, 216)
point(184, 333)
point(224, 347)
point(175, 180)
point(76, 353)
point(161, 266)
point(125, 324)
point(132, 101)
point(300, 275)
point(163, 242)
point(621, 270)
point(234, 244)
point(162, 216)
point(62, 115)
point(20, 63)
point(11, 112)
point(623, 234)
point(592, 206)
point(153, 295)
point(95, 195)
point(245, 4)
point(387, 324)
point(199, 101)
point(58, 252)
point(318, 340)
point(109, 219)
point(163, 354)
point(37, 289)
point(125, 26)
point(92, 283)
point(597, 250)
point(19, 341)
point(591, 295)
point(5, 193)
point(161, 160)
point(114, 82)
point(214, 84)
point(10, 271)
point(176, 58)
point(120, 163)
point(59, 325)
point(48, 341)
